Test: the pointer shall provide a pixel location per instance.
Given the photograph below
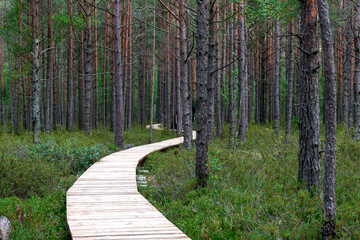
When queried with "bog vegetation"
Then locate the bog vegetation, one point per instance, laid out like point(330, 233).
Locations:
point(253, 190)
point(34, 179)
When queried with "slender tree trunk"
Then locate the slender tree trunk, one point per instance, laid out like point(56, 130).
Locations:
point(290, 78)
point(218, 83)
point(329, 227)
point(179, 106)
point(231, 109)
point(185, 91)
point(36, 87)
point(309, 119)
point(70, 82)
point(243, 81)
point(152, 75)
point(88, 68)
point(130, 65)
point(95, 104)
point(81, 83)
point(2, 74)
point(202, 174)
point(357, 72)
point(211, 69)
point(119, 102)
point(262, 85)
point(50, 74)
point(277, 77)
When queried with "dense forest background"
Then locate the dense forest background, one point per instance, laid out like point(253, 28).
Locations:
point(94, 64)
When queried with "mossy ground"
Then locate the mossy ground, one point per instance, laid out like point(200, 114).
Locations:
point(34, 179)
point(253, 190)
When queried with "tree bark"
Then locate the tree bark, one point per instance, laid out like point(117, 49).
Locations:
point(357, 72)
point(329, 225)
point(36, 87)
point(290, 78)
point(153, 75)
point(185, 91)
point(211, 69)
point(202, 174)
point(2, 74)
point(231, 109)
point(243, 80)
point(309, 119)
point(119, 99)
point(50, 75)
point(70, 82)
point(277, 77)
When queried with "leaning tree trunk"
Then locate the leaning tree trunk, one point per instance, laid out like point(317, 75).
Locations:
point(119, 99)
point(202, 174)
point(36, 86)
point(329, 227)
point(309, 119)
point(357, 72)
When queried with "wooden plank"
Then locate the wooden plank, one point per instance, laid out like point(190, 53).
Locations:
point(104, 202)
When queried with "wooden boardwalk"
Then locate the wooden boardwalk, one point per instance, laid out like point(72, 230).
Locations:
point(104, 202)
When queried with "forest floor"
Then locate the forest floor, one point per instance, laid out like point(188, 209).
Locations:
point(253, 190)
point(34, 179)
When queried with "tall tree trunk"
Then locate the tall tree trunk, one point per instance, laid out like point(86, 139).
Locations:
point(88, 68)
point(2, 74)
point(357, 72)
point(262, 82)
point(81, 83)
point(179, 106)
point(95, 111)
point(50, 74)
point(70, 82)
point(202, 173)
point(152, 75)
point(130, 66)
point(185, 91)
point(309, 119)
point(277, 77)
point(231, 109)
point(119, 99)
point(36, 87)
point(243, 80)
point(290, 79)
point(329, 226)
point(211, 69)
point(218, 83)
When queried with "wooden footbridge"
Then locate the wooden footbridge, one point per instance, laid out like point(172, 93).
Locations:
point(104, 202)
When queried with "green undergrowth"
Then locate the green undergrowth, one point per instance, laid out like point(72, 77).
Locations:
point(253, 191)
point(34, 178)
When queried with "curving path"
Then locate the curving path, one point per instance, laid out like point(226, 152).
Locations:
point(104, 202)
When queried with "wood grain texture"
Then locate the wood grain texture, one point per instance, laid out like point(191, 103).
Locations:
point(104, 202)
